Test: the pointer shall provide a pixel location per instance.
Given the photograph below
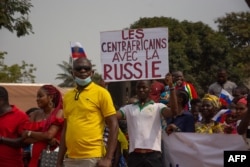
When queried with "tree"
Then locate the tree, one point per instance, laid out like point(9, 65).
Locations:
point(248, 3)
point(14, 16)
point(236, 28)
point(194, 48)
point(96, 77)
point(68, 80)
point(66, 76)
point(16, 73)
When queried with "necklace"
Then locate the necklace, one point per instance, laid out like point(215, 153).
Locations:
point(45, 116)
point(47, 113)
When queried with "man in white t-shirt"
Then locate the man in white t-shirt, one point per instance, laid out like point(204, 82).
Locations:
point(144, 125)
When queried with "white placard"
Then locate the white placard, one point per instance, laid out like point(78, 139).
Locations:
point(134, 54)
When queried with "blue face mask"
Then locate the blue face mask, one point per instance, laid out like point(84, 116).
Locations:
point(83, 82)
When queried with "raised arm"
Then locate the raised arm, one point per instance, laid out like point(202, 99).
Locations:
point(173, 110)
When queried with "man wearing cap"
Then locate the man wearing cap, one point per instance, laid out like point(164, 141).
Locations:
point(144, 125)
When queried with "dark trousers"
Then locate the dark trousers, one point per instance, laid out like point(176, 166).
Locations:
point(152, 159)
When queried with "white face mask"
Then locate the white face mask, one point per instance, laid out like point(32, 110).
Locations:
point(83, 82)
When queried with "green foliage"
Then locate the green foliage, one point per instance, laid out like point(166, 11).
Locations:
point(14, 16)
point(96, 77)
point(248, 3)
point(236, 28)
point(66, 76)
point(16, 73)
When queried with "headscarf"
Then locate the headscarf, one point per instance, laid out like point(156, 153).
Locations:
point(242, 100)
point(213, 99)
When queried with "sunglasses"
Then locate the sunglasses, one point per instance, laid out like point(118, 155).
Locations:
point(79, 68)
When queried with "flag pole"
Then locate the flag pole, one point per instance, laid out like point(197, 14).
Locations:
point(70, 57)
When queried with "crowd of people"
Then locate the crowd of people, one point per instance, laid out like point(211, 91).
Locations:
point(89, 130)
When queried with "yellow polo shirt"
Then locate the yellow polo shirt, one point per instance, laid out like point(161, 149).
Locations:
point(85, 121)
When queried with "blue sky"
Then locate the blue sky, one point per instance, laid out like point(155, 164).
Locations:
point(56, 23)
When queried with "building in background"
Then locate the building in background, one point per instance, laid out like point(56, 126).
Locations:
point(24, 95)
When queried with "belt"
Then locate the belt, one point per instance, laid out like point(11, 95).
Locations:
point(143, 151)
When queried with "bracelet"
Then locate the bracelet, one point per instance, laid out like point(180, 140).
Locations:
point(29, 133)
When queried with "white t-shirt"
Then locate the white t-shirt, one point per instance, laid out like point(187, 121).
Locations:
point(144, 125)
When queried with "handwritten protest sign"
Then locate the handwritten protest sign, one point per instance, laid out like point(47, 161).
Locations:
point(134, 54)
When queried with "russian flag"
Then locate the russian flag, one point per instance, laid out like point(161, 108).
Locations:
point(225, 97)
point(218, 115)
point(77, 50)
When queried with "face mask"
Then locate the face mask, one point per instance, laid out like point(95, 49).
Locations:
point(83, 82)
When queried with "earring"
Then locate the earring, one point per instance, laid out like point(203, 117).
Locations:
point(51, 104)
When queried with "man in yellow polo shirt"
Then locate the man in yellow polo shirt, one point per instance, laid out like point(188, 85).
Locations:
point(86, 110)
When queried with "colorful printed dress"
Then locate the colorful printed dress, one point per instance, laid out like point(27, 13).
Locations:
point(213, 127)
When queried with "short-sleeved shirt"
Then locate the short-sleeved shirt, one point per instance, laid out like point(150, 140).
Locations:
point(85, 118)
point(144, 125)
point(11, 126)
point(215, 88)
point(185, 122)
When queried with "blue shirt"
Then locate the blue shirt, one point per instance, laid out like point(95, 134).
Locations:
point(185, 122)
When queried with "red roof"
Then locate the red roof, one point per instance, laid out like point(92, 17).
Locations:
point(24, 95)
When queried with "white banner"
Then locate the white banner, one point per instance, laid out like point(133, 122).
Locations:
point(199, 150)
point(134, 54)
